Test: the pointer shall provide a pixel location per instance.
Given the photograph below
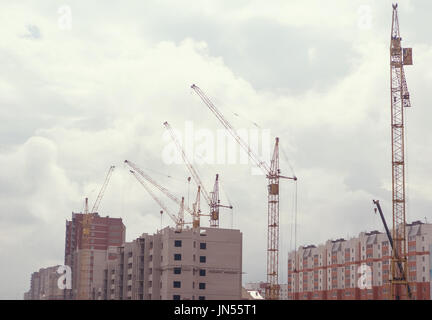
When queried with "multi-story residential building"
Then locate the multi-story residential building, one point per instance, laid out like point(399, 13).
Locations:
point(104, 232)
point(194, 264)
point(338, 268)
point(44, 286)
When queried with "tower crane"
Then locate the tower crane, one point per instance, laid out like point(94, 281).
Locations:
point(400, 266)
point(273, 175)
point(212, 199)
point(84, 287)
point(399, 100)
point(165, 191)
point(179, 219)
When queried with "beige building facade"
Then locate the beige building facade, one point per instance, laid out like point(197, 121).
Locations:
point(44, 285)
point(332, 270)
point(195, 264)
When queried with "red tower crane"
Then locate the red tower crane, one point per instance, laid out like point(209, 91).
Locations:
point(272, 173)
point(399, 100)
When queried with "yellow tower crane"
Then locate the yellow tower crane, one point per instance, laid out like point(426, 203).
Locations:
point(85, 269)
point(195, 214)
point(400, 99)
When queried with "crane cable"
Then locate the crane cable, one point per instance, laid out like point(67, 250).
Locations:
point(229, 202)
point(407, 203)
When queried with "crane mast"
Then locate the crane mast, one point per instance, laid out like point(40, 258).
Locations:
point(272, 173)
point(399, 100)
point(84, 285)
point(389, 236)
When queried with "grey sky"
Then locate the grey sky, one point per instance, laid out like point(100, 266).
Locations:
point(73, 102)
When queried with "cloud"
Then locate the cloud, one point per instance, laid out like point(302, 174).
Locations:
point(33, 32)
point(76, 101)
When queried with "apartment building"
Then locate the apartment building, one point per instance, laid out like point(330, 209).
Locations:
point(194, 264)
point(43, 285)
point(336, 270)
point(104, 232)
point(258, 287)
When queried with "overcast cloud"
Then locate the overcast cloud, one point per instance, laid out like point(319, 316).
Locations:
point(74, 101)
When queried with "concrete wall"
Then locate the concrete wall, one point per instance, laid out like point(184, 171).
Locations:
point(154, 264)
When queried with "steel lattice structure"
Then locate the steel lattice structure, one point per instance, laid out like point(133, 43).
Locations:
point(272, 173)
point(272, 289)
point(399, 100)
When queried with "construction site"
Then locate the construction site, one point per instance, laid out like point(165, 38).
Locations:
point(193, 258)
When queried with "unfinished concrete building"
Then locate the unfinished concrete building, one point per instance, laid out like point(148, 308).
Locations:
point(104, 232)
point(195, 264)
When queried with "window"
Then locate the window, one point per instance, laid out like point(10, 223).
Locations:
point(177, 243)
point(176, 297)
point(202, 259)
point(177, 270)
point(177, 284)
point(202, 286)
point(201, 298)
point(202, 272)
point(177, 256)
point(203, 245)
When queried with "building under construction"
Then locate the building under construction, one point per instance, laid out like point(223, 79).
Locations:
point(332, 271)
point(194, 264)
point(44, 286)
point(104, 232)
